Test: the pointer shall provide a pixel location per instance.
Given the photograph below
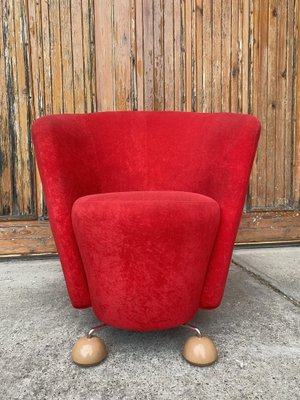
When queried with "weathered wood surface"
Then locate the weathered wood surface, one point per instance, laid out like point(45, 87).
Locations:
point(26, 237)
point(34, 237)
point(190, 55)
point(203, 55)
point(47, 65)
point(17, 164)
point(269, 226)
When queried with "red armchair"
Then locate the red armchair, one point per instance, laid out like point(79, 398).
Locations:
point(144, 208)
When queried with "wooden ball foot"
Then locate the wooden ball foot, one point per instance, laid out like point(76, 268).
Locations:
point(200, 350)
point(89, 351)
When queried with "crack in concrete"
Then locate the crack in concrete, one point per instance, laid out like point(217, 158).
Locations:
point(264, 282)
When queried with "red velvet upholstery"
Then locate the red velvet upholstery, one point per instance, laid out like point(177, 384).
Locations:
point(208, 154)
point(145, 255)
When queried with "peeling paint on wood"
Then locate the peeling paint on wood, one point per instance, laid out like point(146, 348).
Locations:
point(48, 59)
point(203, 55)
point(199, 55)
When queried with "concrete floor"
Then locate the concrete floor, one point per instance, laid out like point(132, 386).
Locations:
point(256, 330)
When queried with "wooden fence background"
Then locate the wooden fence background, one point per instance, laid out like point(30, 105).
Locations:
point(189, 55)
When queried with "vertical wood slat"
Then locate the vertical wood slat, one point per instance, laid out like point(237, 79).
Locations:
point(271, 103)
point(188, 28)
point(169, 78)
point(18, 95)
point(217, 56)
point(6, 200)
point(226, 55)
point(36, 56)
point(122, 54)
point(104, 58)
point(261, 77)
point(177, 45)
point(24, 150)
point(235, 66)
point(207, 55)
point(254, 88)
point(245, 38)
point(148, 54)
point(56, 55)
point(291, 103)
point(139, 53)
point(158, 53)
point(77, 56)
point(45, 16)
point(199, 54)
point(64, 58)
point(89, 61)
point(281, 100)
point(296, 154)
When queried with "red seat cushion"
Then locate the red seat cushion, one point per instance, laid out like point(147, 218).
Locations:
point(145, 254)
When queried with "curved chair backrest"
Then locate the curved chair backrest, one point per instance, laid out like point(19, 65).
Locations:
point(211, 154)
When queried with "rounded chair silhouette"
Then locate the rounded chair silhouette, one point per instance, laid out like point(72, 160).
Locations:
point(144, 208)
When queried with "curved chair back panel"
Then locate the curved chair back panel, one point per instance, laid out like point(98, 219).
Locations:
point(210, 154)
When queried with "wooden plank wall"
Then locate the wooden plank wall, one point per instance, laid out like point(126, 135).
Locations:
point(47, 64)
point(190, 55)
point(221, 55)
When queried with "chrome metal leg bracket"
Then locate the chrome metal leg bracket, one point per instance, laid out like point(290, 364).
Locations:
point(192, 328)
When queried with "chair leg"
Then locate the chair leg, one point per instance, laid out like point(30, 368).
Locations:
point(89, 350)
point(199, 350)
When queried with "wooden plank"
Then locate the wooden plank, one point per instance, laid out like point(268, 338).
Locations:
point(269, 226)
point(12, 94)
point(226, 55)
point(281, 103)
point(217, 57)
point(296, 155)
point(235, 67)
point(158, 52)
point(77, 56)
point(253, 88)
point(36, 56)
point(139, 33)
point(261, 78)
point(194, 56)
point(34, 237)
point(104, 57)
point(178, 71)
point(26, 237)
point(188, 54)
point(207, 55)
point(245, 22)
point(56, 56)
point(89, 61)
point(169, 78)
point(148, 55)
point(122, 54)
point(271, 105)
point(67, 62)
point(133, 55)
point(22, 150)
point(6, 198)
point(37, 84)
point(48, 105)
point(199, 55)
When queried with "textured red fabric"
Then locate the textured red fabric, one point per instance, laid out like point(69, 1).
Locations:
point(209, 154)
point(145, 255)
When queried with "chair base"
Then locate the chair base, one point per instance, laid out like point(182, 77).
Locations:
point(90, 350)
